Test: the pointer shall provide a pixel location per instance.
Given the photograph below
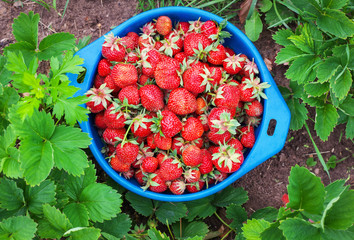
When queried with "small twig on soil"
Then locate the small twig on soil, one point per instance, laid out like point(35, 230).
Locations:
point(47, 27)
point(306, 154)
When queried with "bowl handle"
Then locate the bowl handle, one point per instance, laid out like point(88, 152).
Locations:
point(91, 55)
point(276, 111)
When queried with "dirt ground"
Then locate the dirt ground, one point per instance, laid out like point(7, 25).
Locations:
point(266, 183)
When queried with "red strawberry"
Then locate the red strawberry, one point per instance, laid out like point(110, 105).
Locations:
point(180, 57)
point(166, 74)
point(285, 199)
point(150, 58)
point(133, 35)
point(250, 68)
point(140, 177)
point(207, 165)
point(247, 137)
point(164, 25)
point(227, 96)
point(192, 129)
point(211, 77)
point(192, 79)
point(229, 51)
point(251, 88)
point(151, 98)
point(170, 169)
point(177, 187)
point(151, 141)
point(204, 120)
point(129, 43)
point(157, 184)
point(111, 85)
point(104, 67)
point(178, 144)
point(131, 93)
point(182, 27)
point(209, 28)
point(182, 102)
point(170, 124)
point(99, 98)
point(132, 57)
point(143, 79)
point(119, 165)
point(192, 175)
point(99, 80)
point(218, 138)
point(99, 120)
point(254, 109)
point(195, 187)
point(217, 56)
point(141, 125)
point(149, 164)
point(113, 135)
point(124, 74)
point(172, 44)
point(220, 119)
point(127, 152)
point(163, 143)
point(201, 106)
point(234, 63)
point(114, 117)
point(227, 159)
point(112, 49)
point(192, 156)
point(198, 42)
point(235, 143)
point(144, 151)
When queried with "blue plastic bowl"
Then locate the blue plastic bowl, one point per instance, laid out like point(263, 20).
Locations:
point(275, 107)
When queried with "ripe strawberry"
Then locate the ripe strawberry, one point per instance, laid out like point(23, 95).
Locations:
point(99, 98)
point(221, 121)
point(204, 120)
point(252, 121)
point(218, 138)
point(157, 184)
point(141, 125)
point(207, 165)
point(143, 79)
point(114, 118)
point(99, 121)
point(133, 35)
point(211, 77)
point(166, 74)
point(192, 156)
point(129, 174)
point(131, 93)
point(127, 152)
point(227, 159)
point(151, 98)
point(98, 81)
point(104, 67)
point(151, 141)
point(124, 74)
point(164, 25)
point(201, 106)
point(247, 137)
point(250, 68)
point(140, 177)
point(198, 42)
point(144, 151)
point(178, 144)
point(192, 175)
point(192, 129)
point(119, 165)
point(112, 49)
point(132, 57)
point(182, 27)
point(234, 64)
point(192, 79)
point(235, 143)
point(229, 51)
point(227, 96)
point(182, 102)
point(209, 28)
point(251, 88)
point(129, 43)
point(111, 85)
point(217, 56)
point(149, 164)
point(170, 169)
point(177, 187)
point(180, 57)
point(163, 143)
point(170, 124)
point(113, 135)
point(172, 44)
point(254, 109)
point(146, 41)
point(195, 187)
point(150, 58)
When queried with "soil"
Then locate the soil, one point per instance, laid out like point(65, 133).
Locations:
point(266, 183)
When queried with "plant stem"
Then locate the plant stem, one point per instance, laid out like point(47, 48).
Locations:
point(227, 225)
point(227, 234)
point(319, 155)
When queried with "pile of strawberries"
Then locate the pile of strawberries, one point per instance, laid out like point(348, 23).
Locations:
point(176, 108)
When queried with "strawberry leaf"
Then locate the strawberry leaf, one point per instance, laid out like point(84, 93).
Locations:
point(77, 214)
point(11, 196)
point(296, 70)
point(335, 22)
point(201, 208)
point(341, 82)
point(316, 89)
point(334, 4)
point(269, 214)
point(254, 26)
point(298, 114)
point(273, 232)
point(252, 229)
point(70, 109)
point(115, 228)
point(89, 233)
point(140, 204)
point(288, 54)
point(229, 195)
point(154, 234)
point(25, 28)
point(281, 37)
point(54, 45)
point(347, 106)
point(190, 230)
point(327, 69)
point(238, 214)
point(20, 227)
point(296, 228)
point(7, 99)
point(168, 213)
point(349, 130)
point(38, 195)
point(326, 120)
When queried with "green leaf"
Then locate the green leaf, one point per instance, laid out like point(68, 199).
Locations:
point(66, 142)
point(70, 64)
point(316, 89)
point(85, 233)
point(281, 37)
point(101, 201)
point(302, 7)
point(38, 195)
point(11, 196)
point(302, 69)
point(334, 4)
point(297, 89)
point(4, 73)
point(190, 230)
point(335, 22)
point(18, 228)
point(334, 190)
point(349, 130)
point(273, 232)
point(7, 99)
point(154, 234)
point(54, 224)
point(253, 228)
point(77, 214)
point(115, 228)
point(326, 120)
point(298, 113)
point(327, 69)
point(75, 184)
point(254, 27)
point(238, 215)
point(201, 208)
point(330, 234)
point(347, 106)
point(306, 192)
point(140, 204)
point(288, 54)
point(69, 107)
point(265, 5)
point(25, 28)
point(318, 102)
point(168, 213)
point(341, 83)
point(230, 195)
point(341, 213)
point(269, 214)
point(294, 229)
point(54, 45)
point(283, 16)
